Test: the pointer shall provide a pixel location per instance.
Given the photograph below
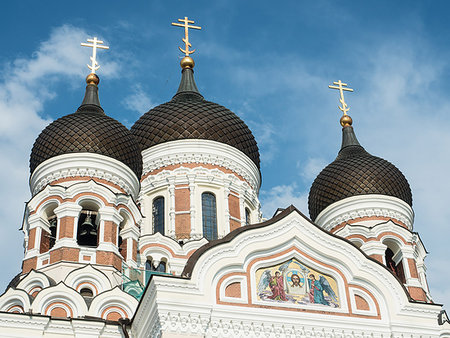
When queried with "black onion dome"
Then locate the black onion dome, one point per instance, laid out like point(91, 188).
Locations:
point(189, 116)
point(356, 172)
point(87, 130)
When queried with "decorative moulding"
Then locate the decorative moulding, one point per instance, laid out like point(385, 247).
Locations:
point(201, 151)
point(84, 165)
point(365, 206)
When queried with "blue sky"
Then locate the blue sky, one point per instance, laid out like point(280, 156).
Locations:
point(270, 63)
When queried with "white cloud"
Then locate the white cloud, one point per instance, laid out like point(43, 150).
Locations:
point(282, 196)
point(312, 168)
point(266, 136)
point(138, 101)
point(25, 86)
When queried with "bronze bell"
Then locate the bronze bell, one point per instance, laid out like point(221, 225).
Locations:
point(87, 228)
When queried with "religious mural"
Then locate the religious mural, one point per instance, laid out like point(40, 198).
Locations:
point(296, 283)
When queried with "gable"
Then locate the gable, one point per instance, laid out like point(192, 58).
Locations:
point(236, 277)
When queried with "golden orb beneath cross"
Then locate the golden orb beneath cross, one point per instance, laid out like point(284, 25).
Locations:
point(346, 120)
point(92, 79)
point(187, 62)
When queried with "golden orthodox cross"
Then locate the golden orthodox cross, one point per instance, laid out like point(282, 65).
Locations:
point(94, 44)
point(186, 26)
point(341, 86)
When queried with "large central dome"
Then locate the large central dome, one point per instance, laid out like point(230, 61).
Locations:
point(189, 116)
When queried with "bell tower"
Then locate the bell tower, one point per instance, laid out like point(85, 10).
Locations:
point(84, 182)
point(368, 201)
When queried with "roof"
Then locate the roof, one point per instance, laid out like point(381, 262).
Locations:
point(356, 172)
point(87, 130)
point(189, 116)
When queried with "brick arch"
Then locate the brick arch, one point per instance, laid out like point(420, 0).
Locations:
point(15, 309)
point(59, 309)
point(35, 290)
point(88, 285)
point(114, 313)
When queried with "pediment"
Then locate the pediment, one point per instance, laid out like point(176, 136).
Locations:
point(289, 263)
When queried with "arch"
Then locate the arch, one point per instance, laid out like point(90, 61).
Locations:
point(209, 215)
point(14, 300)
point(393, 257)
point(59, 297)
point(58, 309)
point(34, 281)
point(158, 215)
point(357, 241)
point(127, 222)
point(88, 222)
point(90, 278)
point(48, 239)
point(153, 266)
point(113, 313)
point(111, 301)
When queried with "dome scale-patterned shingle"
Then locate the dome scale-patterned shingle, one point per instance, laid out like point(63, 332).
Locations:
point(356, 172)
point(189, 116)
point(87, 130)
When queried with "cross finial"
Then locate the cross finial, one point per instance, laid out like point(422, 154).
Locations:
point(341, 86)
point(186, 26)
point(94, 44)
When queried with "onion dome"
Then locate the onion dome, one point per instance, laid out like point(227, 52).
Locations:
point(87, 130)
point(189, 116)
point(355, 172)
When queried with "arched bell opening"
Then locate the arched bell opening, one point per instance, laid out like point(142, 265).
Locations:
point(48, 238)
point(88, 221)
point(394, 259)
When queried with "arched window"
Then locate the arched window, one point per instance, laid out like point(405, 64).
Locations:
point(209, 216)
point(87, 228)
point(158, 215)
point(150, 269)
point(247, 216)
point(397, 269)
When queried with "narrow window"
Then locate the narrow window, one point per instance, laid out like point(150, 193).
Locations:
point(209, 216)
point(247, 216)
point(158, 215)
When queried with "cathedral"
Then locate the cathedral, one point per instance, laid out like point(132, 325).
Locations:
point(157, 231)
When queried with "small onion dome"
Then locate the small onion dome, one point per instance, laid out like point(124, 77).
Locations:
point(189, 116)
point(356, 172)
point(88, 130)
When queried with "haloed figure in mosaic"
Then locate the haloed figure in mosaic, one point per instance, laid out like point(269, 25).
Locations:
point(316, 291)
point(277, 287)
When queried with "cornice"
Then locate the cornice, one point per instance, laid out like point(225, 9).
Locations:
point(365, 206)
point(84, 165)
point(201, 151)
